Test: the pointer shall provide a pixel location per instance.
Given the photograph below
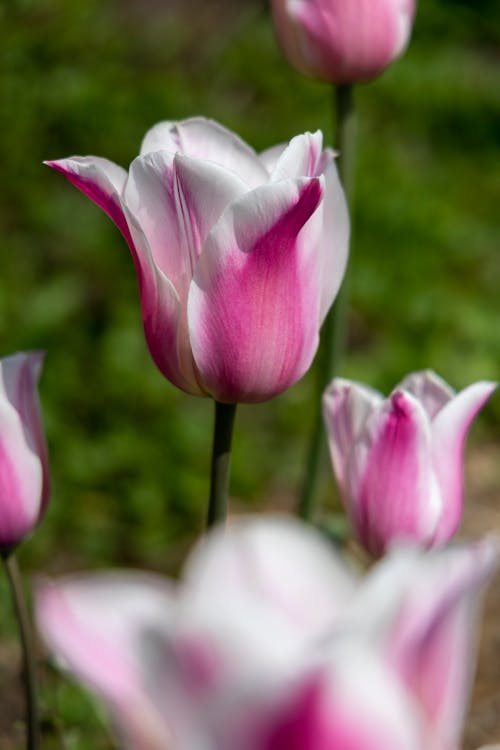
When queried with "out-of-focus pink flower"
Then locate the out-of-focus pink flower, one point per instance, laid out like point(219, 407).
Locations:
point(343, 41)
point(398, 461)
point(24, 473)
point(239, 256)
point(270, 643)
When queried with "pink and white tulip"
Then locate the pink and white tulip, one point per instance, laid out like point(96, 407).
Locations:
point(271, 643)
point(24, 473)
point(399, 461)
point(238, 256)
point(343, 41)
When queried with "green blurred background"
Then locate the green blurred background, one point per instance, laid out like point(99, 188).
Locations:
point(129, 453)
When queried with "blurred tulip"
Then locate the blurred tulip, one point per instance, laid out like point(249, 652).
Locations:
point(343, 41)
point(239, 257)
point(398, 461)
point(24, 473)
point(270, 643)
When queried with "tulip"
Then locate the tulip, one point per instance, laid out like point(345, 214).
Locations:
point(238, 257)
point(271, 643)
point(343, 41)
point(398, 461)
point(24, 475)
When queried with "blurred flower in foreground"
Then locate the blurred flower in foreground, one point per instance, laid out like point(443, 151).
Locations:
point(398, 461)
point(239, 256)
point(24, 472)
point(343, 41)
point(271, 643)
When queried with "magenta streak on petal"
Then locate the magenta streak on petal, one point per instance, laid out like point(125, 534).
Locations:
point(310, 723)
point(14, 522)
point(396, 480)
point(259, 320)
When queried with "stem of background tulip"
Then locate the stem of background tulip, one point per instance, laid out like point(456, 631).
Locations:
point(221, 459)
point(26, 636)
point(334, 328)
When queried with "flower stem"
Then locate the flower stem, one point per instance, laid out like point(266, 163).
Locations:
point(27, 645)
point(221, 459)
point(333, 331)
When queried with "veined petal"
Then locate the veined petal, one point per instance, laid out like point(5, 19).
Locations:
point(334, 247)
point(428, 388)
point(205, 139)
point(390, 476)
point(449, 430)
point(92, 624)
point(346, 408)
point(253, 303)
point(101, 180)
point(300, 158)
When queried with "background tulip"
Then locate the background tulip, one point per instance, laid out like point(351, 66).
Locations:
point(24, 477)
point(343, 41)
point(398, 461)
point(270, 643)
point(238, 256)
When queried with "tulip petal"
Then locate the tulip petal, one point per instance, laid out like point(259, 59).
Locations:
point(205, 139)
point(432, 644)
point(390, 476)
point(101, 180)
point(428, 388)
point(324, 710)
point(253, 303)
point(300, 158)
point(164, 318)
point(93, 623)
point(304, 156)
point(24, 477)
point(176, 200)
point(449, 431)
point(286, 571)
point(334, 247)
point(346, 408)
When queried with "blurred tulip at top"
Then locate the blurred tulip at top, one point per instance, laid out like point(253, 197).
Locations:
point(238, 256)
point(271, 642)
point(343, 41)
point(399, 461)
point(24, 471)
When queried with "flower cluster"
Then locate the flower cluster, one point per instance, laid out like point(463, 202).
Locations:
point(270, 641)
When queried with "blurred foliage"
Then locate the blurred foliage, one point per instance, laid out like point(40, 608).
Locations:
point(129, 453)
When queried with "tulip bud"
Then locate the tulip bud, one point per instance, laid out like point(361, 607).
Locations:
point(24, 477)
point(343, 41)
point(398, 461)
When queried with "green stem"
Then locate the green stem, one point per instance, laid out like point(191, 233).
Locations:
point(333, 331)
point(27, 645)
point(221, 459)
